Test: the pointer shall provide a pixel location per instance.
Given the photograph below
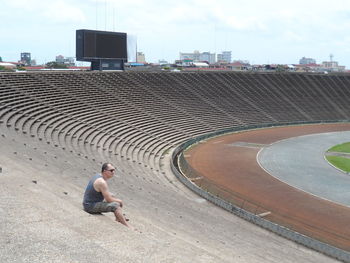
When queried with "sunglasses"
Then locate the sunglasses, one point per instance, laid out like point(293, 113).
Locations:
point(112, 170)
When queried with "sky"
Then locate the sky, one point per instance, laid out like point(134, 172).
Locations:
point(261, 32)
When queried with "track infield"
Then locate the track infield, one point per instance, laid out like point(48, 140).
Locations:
point(230, 170)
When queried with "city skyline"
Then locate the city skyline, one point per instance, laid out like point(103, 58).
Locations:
point(262, 33)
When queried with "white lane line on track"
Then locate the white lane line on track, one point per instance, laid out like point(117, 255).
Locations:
point(330, 185)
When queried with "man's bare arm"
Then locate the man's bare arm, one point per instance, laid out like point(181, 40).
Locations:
point(101, 186)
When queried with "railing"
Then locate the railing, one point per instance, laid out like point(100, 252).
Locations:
point(241, 205)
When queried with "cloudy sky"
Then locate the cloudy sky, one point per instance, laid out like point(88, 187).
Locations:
point(269, 31)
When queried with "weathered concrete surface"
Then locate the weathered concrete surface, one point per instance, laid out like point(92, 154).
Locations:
point(41, 219)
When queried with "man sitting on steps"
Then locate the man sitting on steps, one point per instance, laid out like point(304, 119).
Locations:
point(97, 191)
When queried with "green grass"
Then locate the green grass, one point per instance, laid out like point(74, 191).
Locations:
point(340, 162)
point(343, 148)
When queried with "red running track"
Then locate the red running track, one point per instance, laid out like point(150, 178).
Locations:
point(232, 172)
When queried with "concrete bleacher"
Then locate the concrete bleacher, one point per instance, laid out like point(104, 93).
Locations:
point(57, 128)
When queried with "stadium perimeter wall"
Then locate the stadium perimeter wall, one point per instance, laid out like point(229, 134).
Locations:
point(183, 171)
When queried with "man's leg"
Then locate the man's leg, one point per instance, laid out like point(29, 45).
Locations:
point(120, 217)
point(103, 207)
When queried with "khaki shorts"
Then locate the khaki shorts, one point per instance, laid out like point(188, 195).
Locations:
point(103, 207)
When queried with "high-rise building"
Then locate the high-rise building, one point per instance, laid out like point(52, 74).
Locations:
point(305, 61)
point(225, 56)
point(141, 57)
point(26, 58)
point(208, 57)
point(195, 56)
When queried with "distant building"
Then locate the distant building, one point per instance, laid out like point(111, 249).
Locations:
point(60, 59)
point(196, 56)
point(26, 58)
point(140, 58)
point(307, 67)
point(225, 56)
point(7, 65)
point(200, 64)
point(239, 65)
point(326, 66)
point(208, 57)
point(192, 56)
point(305, 61)
point(332, 66)
point(187, 62)
point(69, 61)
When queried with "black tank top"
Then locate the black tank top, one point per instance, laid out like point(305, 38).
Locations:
point(91, 196)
